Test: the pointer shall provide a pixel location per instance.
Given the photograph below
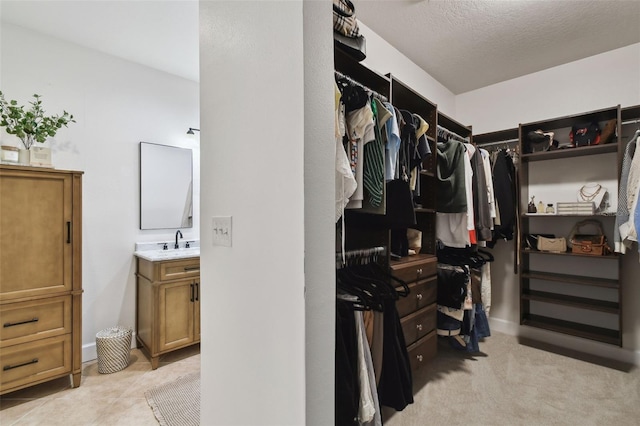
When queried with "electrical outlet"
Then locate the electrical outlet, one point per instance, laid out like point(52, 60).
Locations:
point(221, 231)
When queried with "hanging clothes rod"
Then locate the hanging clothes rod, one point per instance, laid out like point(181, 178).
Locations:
point(625, 123)
point(448, 133)
point(505, 142)
point(357, 83)
point(369, 253)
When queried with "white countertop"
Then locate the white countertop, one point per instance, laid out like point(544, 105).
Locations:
point(152, 251)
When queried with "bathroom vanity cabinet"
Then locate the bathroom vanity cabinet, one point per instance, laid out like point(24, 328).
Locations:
point(168, 305)
point(40, 276)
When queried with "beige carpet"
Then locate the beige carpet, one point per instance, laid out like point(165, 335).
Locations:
point(177, 403)
point(512, 383)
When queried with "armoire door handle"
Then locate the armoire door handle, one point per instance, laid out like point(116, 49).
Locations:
point(68, 232)
point(197, 291)
point(192, 292)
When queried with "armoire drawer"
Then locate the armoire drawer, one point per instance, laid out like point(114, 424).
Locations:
point(415, 270)
point(33, 362)
point(423, 350)
point(177, 269)
point(419, 324)
point(36, 319)
point(421, 294)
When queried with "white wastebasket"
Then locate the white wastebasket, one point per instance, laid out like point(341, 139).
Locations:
point(113, 346)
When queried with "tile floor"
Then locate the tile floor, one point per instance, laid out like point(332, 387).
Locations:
point(102, 399)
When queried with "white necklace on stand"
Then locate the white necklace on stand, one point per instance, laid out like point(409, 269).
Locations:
point(593, 192)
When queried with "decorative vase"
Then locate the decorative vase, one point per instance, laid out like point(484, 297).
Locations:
point(24, 157)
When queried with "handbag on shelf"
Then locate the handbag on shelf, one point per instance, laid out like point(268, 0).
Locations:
point(554, 245)
point(344, 18)
point(589, 244)
point(531, 240)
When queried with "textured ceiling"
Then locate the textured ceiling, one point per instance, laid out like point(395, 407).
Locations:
point(466, 45)
point(463, 44)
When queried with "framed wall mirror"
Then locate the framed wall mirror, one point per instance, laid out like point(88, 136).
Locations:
point(166, 187)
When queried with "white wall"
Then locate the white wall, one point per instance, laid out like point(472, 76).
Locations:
point(253, 139)
point(117, 104)
point(597, 82)
point(384, 58)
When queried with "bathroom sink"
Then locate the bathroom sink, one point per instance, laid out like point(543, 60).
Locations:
point(158, 255)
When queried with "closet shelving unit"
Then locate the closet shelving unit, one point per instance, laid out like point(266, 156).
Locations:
point(574, 294)
point(501, 139)
point(418, 310)
point(453, 126)
point(362, 230)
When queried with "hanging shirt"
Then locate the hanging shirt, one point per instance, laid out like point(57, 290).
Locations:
point(360, 131)
point(393, 143)
point(345, 180)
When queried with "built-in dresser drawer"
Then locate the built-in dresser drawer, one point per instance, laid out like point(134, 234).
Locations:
point(415, 270)
point(421, 294)
point(37, 319)
point(422, 351)
point(176, 269)
point(419, 324)
point(34, 362)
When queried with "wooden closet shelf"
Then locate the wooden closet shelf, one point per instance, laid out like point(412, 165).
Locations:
point(427, 173)
point(574, 301)
point(423, 210)
point(572, 279)
point(599, 334)
point(571, 152)
point(568, 253)
point(546, 215)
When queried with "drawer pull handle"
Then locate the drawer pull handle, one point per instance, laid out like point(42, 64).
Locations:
point(419, 296)
point(419, 357)
point(419, 327)
point(10, 367)
point(191, 268)
point(11, 324)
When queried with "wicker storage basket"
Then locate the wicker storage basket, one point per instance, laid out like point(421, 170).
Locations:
point(113, 346)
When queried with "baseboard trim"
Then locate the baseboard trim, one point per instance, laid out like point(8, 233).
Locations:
point(569, 343)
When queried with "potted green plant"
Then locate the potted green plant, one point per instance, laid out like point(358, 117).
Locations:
point(30, 124)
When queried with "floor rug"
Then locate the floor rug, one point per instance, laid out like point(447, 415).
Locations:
point(177, 403)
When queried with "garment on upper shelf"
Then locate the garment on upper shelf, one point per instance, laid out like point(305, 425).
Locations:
point(393, 143)
point(489, 178)
point(628, 230)
point(360, 130)
point(504, 178)
point(451, 191)
point(373, 173)
point(482, 216)
point(345, 180)
point(622, 214)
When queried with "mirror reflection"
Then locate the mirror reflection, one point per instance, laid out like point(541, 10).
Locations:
point(166, 186)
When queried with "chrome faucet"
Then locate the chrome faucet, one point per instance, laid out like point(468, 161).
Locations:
point(177, 246)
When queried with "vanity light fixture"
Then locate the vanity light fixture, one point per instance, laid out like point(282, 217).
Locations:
point(191, 130)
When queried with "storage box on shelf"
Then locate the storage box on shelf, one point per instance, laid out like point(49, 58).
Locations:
point(572, 293)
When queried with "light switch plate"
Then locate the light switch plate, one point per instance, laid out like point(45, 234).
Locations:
point(221, 231)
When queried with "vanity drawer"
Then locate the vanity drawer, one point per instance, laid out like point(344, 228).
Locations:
point(419, 324)
point(421, 294)
point(415, 269)
point(33, 362)
point(177, 269)
point(37, 319)
point(422, 351)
